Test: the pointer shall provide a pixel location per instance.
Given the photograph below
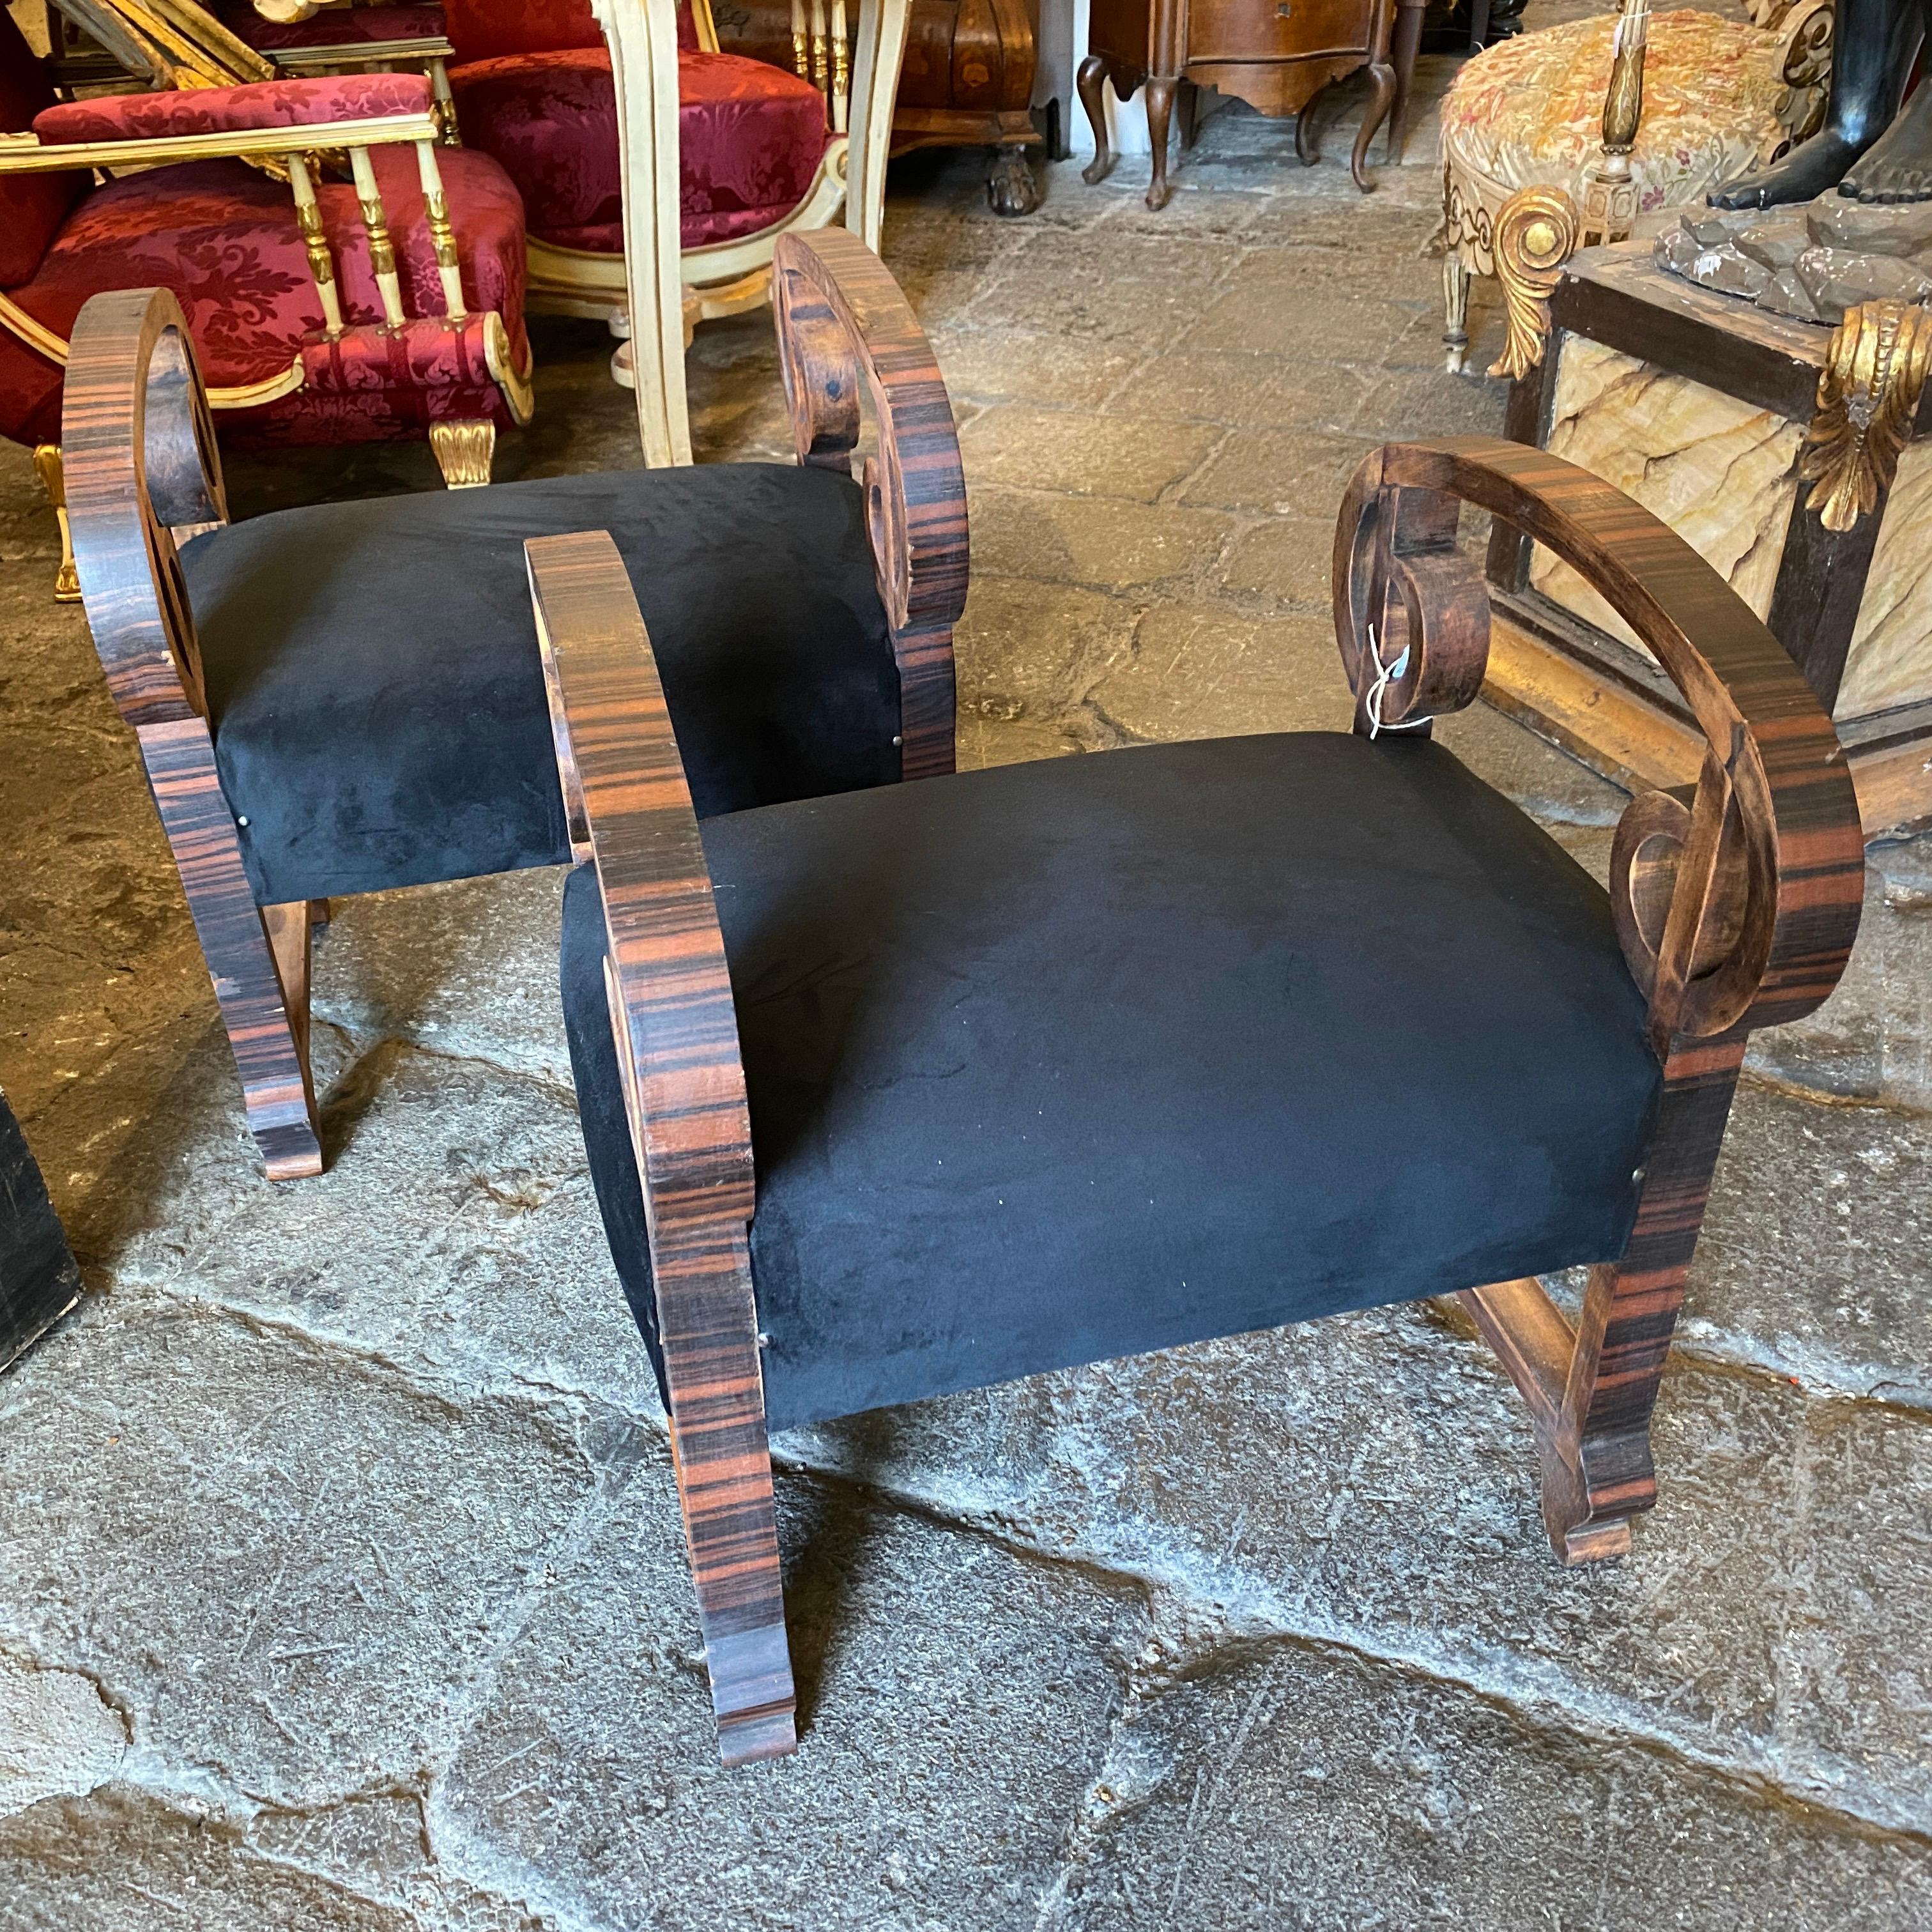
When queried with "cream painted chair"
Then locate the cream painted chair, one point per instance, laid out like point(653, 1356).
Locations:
point(667, 289)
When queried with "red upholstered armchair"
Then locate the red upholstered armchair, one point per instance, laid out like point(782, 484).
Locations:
point(323, 310)
point(752, 151)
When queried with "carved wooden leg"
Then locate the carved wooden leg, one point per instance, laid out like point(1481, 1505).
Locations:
point(1456, 310)
point(465, 449)
point(252, 961)
point(1382, 80)
point(1307, 150)
point(1597, 1468)
point(724, 1465)
point(48, 468)
point(1091, 80)
point(1160, 88)
point(1013, 188)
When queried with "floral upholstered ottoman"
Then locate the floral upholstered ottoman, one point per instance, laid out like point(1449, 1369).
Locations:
point(1719, 97)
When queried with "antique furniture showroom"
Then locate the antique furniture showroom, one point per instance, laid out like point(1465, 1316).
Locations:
point(891, 1036)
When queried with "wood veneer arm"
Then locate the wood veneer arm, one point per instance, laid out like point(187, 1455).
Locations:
point(675, 1030)
point(1736, 911)
point(142, 473)
point(845, 327)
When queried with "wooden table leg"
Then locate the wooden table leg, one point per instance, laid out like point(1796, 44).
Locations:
point(1406, 39)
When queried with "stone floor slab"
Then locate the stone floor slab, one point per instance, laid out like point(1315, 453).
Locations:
point(287, 1563)
point(955, 1699)
point(1294, 1786)
point(1368, 1480)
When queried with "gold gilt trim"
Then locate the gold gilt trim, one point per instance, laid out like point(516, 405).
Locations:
point(515, 384)
point(1535, 235)
point(31, 158)
point(251, 395)
point(47, 466)
point(1868, 393)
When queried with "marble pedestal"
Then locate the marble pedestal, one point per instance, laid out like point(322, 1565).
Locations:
point(1696, 406)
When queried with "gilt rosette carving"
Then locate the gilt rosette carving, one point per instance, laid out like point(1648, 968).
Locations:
point(1535, 235)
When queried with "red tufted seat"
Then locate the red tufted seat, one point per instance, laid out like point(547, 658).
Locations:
point(533, 89)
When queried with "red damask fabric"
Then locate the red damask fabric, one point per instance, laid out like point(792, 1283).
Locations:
point(224, 238)
point(751, 138)
point(489, 29)
point(32, 207)
point(227, 110)
point(334, 27)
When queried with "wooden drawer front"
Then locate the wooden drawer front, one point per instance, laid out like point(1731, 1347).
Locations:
point(1237, 30)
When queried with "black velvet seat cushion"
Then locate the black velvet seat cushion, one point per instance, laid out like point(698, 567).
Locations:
point(1064, 1061)
point(378, 699)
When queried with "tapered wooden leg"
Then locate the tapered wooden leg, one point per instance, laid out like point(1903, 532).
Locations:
point(1598, 1472)
point(708, 1322)
point(1307, 150)
point(1456, 311)
point(1406, 41)
point(1091, 80)
point(1382, 82)
point(252, 956)
point(1160, 90)
point(1590, 1389)
point(48, 467)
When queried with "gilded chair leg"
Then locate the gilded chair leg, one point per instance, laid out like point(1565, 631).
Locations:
point(1456, 311)
point(257, 957)
point(48, 468)
point(465, 448)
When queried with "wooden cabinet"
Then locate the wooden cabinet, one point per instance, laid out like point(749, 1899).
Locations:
point(968, 78)
point(1277, 55)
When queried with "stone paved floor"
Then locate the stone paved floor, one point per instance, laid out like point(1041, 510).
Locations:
point(340, 1583)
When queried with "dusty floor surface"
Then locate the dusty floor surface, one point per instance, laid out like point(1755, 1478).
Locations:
point(340, 1583)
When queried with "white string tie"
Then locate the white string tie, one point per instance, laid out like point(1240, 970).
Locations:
point(1385, 676)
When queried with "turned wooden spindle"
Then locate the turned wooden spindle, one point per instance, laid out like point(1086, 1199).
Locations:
point(382, 250)
point(321, 262)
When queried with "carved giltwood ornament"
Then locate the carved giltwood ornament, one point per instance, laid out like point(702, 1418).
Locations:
point(1868, 394)
point(1535, 235)
point(465, 447)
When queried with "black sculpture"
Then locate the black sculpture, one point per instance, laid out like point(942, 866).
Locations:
point(1867, 149)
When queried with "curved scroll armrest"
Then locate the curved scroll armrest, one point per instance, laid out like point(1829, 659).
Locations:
point(142, 473)
point(1736, 910)
point(675, 1031)
point(843, 325)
